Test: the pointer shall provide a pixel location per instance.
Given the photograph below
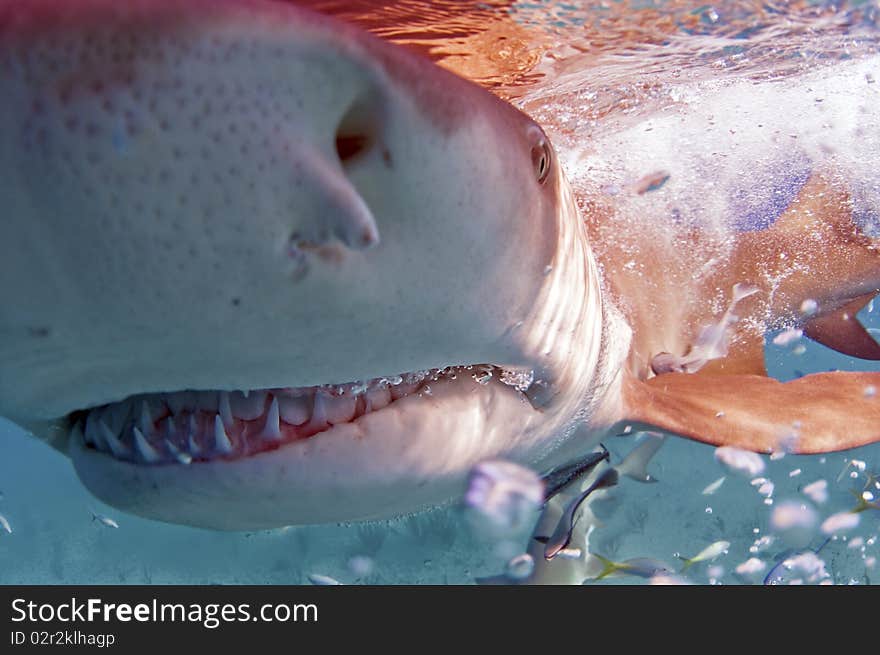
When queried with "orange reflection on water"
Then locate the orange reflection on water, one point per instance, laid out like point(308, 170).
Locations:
point(478, 40)
point(511, 46)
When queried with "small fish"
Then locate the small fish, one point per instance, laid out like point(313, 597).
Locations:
point(709, 553)
point(561, 536)
point(5, 524)
point(559, 478)
point(863, 503)
point(323, 580)
point(643, 567)
point(714, 486)
point(105, 520)
point(650, 182)
point(635, 464)
point(805, 561)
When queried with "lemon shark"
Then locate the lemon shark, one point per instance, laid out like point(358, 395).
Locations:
point(259, 267)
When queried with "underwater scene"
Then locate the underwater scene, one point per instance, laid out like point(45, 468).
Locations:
point(685, 136)
point(694, 502)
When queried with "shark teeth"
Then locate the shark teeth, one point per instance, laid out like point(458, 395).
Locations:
point(193, 445)
point(145, 421)
point(272, 427)
point(221, 439)
point(248, 407)
point(178, 402)
point(180, 456)
point(295, 410)
point(144, 450)
point(189, 427)
point(225, 410)
point(170, 430)
point(319, 412)
point(112, 441)
point(93, 434)
point(378, 398)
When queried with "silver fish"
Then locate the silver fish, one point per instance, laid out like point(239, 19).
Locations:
point(104, 520)
point(561, 537)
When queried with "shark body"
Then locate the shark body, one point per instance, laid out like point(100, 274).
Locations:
point(261, 268)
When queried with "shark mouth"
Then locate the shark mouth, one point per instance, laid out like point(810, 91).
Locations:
point(202, 426)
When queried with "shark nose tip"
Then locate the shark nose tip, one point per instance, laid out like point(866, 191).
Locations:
point(369, 239)
point(356, 227)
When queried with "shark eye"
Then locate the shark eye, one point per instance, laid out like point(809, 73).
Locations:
point(541, 158)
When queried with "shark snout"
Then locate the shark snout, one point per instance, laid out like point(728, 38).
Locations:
point(278, 205)
point(265, 217)
point(332, 210)
point(327, 205)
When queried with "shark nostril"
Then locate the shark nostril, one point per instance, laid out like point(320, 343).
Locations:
point(357, 133)
point(349, 146)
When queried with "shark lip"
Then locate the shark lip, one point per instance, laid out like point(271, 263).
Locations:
point(189, 427)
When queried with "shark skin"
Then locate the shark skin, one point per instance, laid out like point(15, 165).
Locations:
point(260, 268)
point(248, 196)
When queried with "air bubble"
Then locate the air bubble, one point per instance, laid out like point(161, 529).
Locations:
point(809, 307)
point(483, 376)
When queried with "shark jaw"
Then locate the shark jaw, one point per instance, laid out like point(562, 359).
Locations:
point(361, 450)
point(264, 199)
point(392, 449)
point(158, 429)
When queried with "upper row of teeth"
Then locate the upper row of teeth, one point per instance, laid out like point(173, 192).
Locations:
point(186, 425)
point(163, 428)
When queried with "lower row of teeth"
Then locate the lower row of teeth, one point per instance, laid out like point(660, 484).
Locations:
point(192, 426)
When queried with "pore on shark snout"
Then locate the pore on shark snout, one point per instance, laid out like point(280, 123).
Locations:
point(259, 268)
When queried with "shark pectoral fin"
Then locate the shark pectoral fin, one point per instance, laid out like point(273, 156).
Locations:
point(817, 413)
point(816, 254)
point(842, 331)
point(745, 356)
point(841, 265)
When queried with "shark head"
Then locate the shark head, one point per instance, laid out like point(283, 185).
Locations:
point(259, 268)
